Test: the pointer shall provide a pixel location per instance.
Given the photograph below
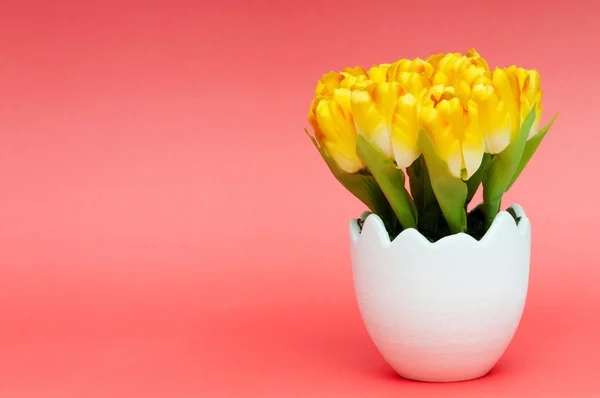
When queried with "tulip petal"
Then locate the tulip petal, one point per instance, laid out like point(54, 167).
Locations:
point(497, 140)
point(335, 123)
point(413, 83)
point(454, 157)
point(378, 73)
point(508, 92)
point(405, 130)
point(473, 142)
point(494, 119)
point(356, 71)
point(369, 122)
point(472, 154)
point(329, 82)
point(446, 143)
point(373, 111)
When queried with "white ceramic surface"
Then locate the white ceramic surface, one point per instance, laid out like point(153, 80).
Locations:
point(443, 311)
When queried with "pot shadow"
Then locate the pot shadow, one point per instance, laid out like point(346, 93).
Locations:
point(351, 351)
point(332, 340)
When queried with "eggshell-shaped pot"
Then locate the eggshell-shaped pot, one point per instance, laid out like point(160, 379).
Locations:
point(443, 311)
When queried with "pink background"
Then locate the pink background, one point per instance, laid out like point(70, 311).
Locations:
point(167, 229)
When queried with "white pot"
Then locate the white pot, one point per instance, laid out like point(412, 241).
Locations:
point(443, 311)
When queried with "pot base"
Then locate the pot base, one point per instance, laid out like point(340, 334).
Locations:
point(444, 378)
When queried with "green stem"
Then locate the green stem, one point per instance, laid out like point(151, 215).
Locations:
point(492, 208)
point(415, 179)
point(431, 207)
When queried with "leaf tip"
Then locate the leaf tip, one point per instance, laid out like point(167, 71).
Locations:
point(313, 139)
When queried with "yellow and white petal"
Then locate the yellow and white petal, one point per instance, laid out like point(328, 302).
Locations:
point(525, 85)
point(494, 120)
point(535, 127)
point(453, 154)
point(497, 140)
point(336, 127)
point(373, 110)
point(445, 141)
point(506, 87)
point(349, 164)
point(452, 112)
point(473, 142)
point(530, 95)
point(405, 131)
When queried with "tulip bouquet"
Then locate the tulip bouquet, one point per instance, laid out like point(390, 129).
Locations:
point(449, 123)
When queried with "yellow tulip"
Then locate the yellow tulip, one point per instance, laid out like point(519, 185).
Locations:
point(389, 118)
point(459, 71)
point(471, 56)
point(453, 126)
point(350, 78)
point(465, 108)
point(520, 89)
point(332, 121)
point(329, 82)
point(476, 59)
point(416, 65)
point(414, 76)
point(494, 117)
point(527, 84)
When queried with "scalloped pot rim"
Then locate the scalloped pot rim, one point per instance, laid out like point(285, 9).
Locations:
point(373, 225)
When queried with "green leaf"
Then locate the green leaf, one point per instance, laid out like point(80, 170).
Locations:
point(475, 180)
point(530, 147)
point(363, 186)
point(502, 168)
point(450, 192)
point(422, 192)
point(391, 180)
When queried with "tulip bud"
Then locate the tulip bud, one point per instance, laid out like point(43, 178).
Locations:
point(459, 71)
point(388, 117)
point(414, 76)
point(331, 119)
point(416, 65)
point(329, 82)
point(453, 126)
point(494, 118)
point(530, 93)
point(520, 90)
point(350, 78)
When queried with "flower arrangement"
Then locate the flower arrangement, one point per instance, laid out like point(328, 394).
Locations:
point(449, 123)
